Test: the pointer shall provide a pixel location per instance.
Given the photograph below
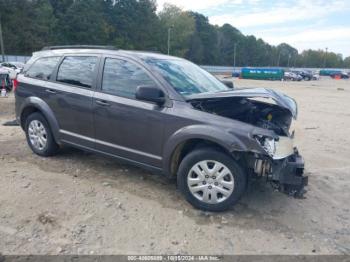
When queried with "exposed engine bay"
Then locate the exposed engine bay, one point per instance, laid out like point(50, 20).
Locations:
point(267, 109)
point(249, 110)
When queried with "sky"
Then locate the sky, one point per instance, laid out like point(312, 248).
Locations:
point(304, 24)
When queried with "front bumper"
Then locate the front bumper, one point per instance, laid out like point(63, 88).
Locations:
point(288, 174)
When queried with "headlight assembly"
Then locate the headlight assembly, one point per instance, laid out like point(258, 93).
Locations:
point(268, 143)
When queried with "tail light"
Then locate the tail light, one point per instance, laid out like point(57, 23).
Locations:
point(15, 84)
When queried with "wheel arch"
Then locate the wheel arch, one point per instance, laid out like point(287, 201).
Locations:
point(35, 104)
point(187, 139)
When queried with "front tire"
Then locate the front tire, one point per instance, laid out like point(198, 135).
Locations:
point(39, 135)
point(211, 180)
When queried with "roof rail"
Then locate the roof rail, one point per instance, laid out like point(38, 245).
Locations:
point(143, 51)
point(79, 47)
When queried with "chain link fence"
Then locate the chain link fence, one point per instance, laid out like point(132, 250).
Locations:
point(229, 70)
point(210, 68)
point(16, 58)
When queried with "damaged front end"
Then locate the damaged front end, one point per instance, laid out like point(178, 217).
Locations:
point(278, 159)
point(285, 174)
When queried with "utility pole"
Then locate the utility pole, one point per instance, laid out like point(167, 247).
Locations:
point(169, 31)
point(234, 56)
point(325, 57)
point(2, 43)
point(295, 59)
point(289, 56)
point(279, 56)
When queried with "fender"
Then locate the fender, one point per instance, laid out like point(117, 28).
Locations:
point(44, 108)
point(213, 134)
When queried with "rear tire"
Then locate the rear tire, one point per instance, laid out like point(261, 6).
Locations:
point(39, 135)
point(206, 189)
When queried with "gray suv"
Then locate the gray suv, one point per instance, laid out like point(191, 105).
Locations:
point(164, 114)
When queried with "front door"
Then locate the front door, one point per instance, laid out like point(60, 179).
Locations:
point(124, 126)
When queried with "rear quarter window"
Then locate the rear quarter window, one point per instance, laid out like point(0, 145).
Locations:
point(43, 67)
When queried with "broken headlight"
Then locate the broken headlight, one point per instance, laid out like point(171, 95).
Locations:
point(268, 143)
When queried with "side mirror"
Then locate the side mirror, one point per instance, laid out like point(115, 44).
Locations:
point(151, 94)
point(228, 83)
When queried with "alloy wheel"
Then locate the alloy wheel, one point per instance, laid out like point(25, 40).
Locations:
point(37, 134)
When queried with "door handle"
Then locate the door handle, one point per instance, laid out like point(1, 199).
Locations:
point(51, 91)
point(102, 103)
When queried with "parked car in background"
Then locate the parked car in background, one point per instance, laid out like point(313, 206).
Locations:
point(236, 73)
point(5, 80)
point(13, 65)
point(292, 76)
point(315, 76)
point(341, 75)
point(306, 75)
point(162, 113)
point(19, 65)
point(13, 68)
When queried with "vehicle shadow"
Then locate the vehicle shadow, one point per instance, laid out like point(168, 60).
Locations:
point(260, 200)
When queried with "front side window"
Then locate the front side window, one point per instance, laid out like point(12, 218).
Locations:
point(43, 67)
point(121, 78)
point(185, 77)
point(77, 70)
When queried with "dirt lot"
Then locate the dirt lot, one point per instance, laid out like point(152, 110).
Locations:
point(80, 203)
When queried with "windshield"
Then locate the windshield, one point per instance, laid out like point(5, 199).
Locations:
point(185, 77)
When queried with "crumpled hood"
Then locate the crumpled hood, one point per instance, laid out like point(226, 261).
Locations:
point(280, 99)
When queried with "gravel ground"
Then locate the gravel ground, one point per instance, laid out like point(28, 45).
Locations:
point(81, 203)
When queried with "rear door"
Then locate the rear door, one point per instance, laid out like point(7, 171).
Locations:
point(69, 95)
point(124, 126)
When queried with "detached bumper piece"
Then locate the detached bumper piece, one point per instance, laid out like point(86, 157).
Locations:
point(288, 175)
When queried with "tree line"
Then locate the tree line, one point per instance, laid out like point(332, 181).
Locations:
point(29, 25)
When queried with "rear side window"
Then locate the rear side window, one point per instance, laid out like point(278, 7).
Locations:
point(43, 67)
point(121, 78)
point(77, 70)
